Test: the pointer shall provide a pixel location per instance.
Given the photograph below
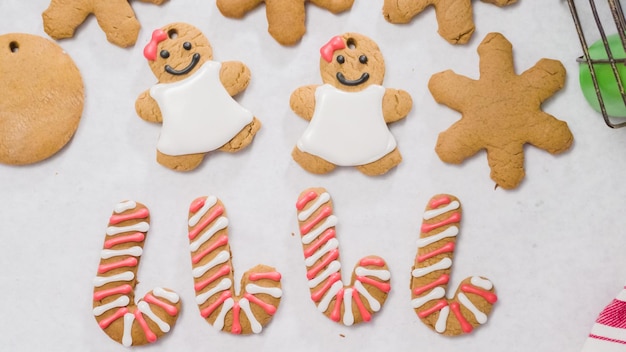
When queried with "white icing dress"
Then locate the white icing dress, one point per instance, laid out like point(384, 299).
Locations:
point(198, 113)
point(348, 128)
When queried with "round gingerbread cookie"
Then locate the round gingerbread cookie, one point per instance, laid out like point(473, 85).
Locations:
point(43, 101)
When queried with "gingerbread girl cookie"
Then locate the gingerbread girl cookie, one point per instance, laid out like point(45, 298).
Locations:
point(115, 17)
point(193, 98)
point(349, 113)
point(285, 18)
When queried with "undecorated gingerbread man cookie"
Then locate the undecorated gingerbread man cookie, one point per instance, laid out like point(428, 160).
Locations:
point(115, 17)
point(193, 98)
point(349, 113)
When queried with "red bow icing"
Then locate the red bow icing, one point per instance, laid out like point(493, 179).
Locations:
point(150, 51)
point(327, 50)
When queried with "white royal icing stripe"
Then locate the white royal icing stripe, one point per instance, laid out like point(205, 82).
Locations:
point(127, 337)
point(311, 236)
point(436, 212)
point(374, 304)
point(332, 291)
point(168, 295)
point(254, 324)
point(222, 257)
point(444, 263)
point(272, 291)
point(208, 203)
point(135, 251)
point(99, 281)
point(481, 318)
point(381, 274)
point(225, 284)
point(140, 227)
point(226, 307)
point(123, 206)
point(442, 320)
point(121, 301)
point(481, 283)
point(436, 293)
point(145, 309)
point(306, 213)
point(608, 332)
point(329, 246)
point(348, 317)
point(332, 268)
point(221, 224)
point(449, 232)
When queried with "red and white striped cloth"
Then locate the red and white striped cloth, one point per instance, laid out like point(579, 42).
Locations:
point(608, 334)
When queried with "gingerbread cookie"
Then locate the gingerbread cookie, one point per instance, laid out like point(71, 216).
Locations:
point(501, 111)
point(285, 18)
point(114, 287)
point(455, 18)
point(349, 113)
point(115, 17)
point(42, 101)
point(475, 296)
point(244, 313)
point(193, 98)
point(370, 282)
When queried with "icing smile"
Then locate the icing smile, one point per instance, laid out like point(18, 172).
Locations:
point(346, 82)
point(194, 61)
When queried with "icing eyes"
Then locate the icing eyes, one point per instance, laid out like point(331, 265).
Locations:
point(164, 54)
point(363, 59)
point(187, 45)
point(341, 59)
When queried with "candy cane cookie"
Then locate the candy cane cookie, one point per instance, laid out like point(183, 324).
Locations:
point(370, 282)
point(475, 296)
point(114, 285)
point(219, 304)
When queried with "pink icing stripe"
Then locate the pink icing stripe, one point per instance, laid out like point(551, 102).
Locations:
point(168, 308)
point(465, 326)
point(332, 255)
point(139, 214)
point(104, 323)
point(208, 310)
point(442, 280)
point(268, 308)
point(488, 296)
point(606, 339)
point(437, 307)
point(317, 296)
point(136, 237)
point(197, 204)
point(379, 285)
point(324, 237)
point(613, 315)
point(217, 211)
point(150, 336)
point(130, 261)
point(326, 211)
point(436, 203)
point(222, 240)
point(456, 217)
point(123, 289)
point(359, 304)
point(274, 276)
point(236, 327)
point(449, 247)
point(224, 270)
point(305, 199)
point(335, 315)
point(372, 261)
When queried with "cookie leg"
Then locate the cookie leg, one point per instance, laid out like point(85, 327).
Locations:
point(181, 162)
point(431, 272)
point(61, 20)
point(243, 138)
point(456, 21)
point(236, 8)
point(213, 275)
point(383, 165)
point(370, 283)
point(312, 163)
point(286, 29)
point(402, 11)
point(117, 20)
point(114, 286)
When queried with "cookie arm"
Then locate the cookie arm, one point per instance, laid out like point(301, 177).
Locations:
point(235, 77)
point(334, 6)
point(147, 108)
point(396, 104)
point(402, 11)
point(450, 89)
point(546, 78)
point(302, 101)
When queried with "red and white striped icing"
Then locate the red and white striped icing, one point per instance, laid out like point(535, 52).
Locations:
point(208, 238)
point(435, 290)
point(114, 285)
point(324, 268)
point(609, 331)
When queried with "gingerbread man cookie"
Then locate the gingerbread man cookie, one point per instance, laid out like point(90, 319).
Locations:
point(454, 17)
point(115, 17)
point(501, 111)
point(285, 18)
point(349, 113)
point(193, 98)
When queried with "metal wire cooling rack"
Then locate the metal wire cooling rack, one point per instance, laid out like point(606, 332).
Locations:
point(620, 23)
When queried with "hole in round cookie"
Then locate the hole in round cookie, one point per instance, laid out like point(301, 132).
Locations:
point(351, 43)
point(172, 34)
point(14, 47)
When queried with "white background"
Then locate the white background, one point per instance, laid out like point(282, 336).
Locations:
point(554, 247)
